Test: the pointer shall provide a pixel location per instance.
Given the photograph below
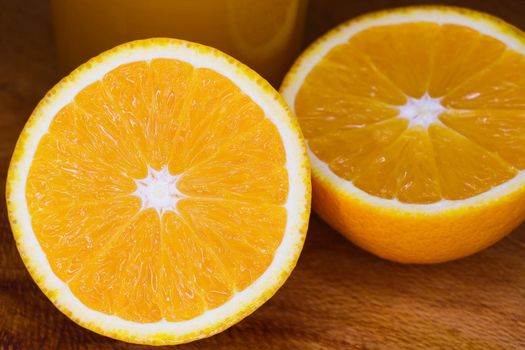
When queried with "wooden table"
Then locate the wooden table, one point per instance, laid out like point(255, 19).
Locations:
point(338, 297)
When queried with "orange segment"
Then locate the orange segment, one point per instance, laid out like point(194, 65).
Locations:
point(356, 147)
point(336, 111)
point(466, 169)
point(175, 278)
point(344, 69)
point(120, 277)
point(249, 167)
point(72, 179)
point(497, 86)
point(202, 282)
point(141, 264)
point(497, 130)
point(245, 238)
point(404, 170)
point(214, 111)
point(455, 61)
point(102, 130)
point(415, 51)
point(85, 230)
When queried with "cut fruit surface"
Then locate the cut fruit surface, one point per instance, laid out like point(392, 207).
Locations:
point(417, 79)
point(418, 110)
point(159, 193)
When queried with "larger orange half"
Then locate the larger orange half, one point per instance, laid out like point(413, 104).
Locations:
point(159, 193)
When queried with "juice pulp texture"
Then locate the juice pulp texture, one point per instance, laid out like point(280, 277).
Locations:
point(264, 34)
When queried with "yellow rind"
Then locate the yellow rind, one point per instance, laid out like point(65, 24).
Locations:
point(412, 233)
point(14, 181)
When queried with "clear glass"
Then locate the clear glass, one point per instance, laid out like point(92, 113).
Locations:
point(264, 34)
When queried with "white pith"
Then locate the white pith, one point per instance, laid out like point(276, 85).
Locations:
point(158, 190)
point(242, 303)
point(422, 111)
point(307, 61)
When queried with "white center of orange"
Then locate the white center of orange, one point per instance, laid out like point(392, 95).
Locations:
point(158, 190)
point(422, 111)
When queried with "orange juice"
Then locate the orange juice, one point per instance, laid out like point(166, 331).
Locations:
point(264, 34)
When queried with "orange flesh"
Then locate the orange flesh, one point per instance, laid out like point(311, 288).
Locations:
point(137, 263)
point(348, 108)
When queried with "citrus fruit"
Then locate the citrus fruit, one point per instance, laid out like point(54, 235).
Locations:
point(415, 121)
point(159, 193)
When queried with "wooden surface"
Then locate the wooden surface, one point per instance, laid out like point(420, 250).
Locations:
point(338, 297)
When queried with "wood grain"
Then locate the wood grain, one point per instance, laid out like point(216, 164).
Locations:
point(339, 297)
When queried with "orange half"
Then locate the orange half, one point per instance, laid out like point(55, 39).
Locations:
point(159, 193)
point(415, 122)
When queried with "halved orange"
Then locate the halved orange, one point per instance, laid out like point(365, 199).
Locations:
point(415, 123)
point(160, 193)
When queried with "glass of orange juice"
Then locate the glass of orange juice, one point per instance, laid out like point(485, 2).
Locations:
point(264, 34)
